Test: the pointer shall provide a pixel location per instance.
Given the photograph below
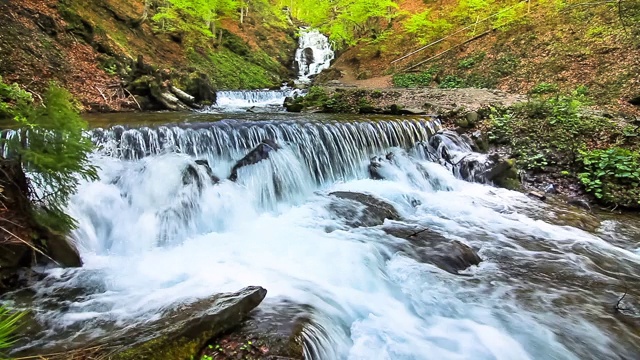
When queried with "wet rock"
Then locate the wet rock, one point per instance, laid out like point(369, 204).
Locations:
point(259, 153)
point(376, 163)
point(292, 105)
point(63, 251)
point(368, 209)
point(550, 189)
point(433, 248)
point(201, 87)
point(207, 168)
point(181, 333)
point(472, 118)
point(581, 203)
point(492, 169)
point(537, 195)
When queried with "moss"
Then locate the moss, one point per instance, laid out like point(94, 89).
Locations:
point(230, 71)
point(163, 348)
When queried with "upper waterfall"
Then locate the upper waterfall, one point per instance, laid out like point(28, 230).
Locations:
point(314, 54)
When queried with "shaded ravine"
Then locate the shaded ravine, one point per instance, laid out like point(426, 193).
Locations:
point(150, 239)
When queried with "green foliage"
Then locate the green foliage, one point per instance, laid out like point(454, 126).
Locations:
point(425, 28)
point(612, 175)
point(422, 79)
point(230, 71)
point(470, 10)
point(472, 60)
point(544, 88)
point(549, 132)
point(194, 17)
point(345, 20)
point(9, 323)
point(57, 153)
point(506, 65)
point(452, 82)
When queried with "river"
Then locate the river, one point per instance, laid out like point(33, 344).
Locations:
point(550, 276)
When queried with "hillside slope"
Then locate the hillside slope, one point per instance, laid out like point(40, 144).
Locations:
point(548, 49)
point(90, 47)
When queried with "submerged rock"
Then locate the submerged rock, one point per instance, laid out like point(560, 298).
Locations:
point(207, 168)
point(433, 248)
point(362, 209)
point(376, 163)
point(259, 153)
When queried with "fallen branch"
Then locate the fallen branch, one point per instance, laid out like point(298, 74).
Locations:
point(29, 245)
point(134, 98)
point(418, 232)
point(101, 94)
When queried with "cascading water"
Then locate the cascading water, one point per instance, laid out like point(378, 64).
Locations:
point(151, 236)
point(264, 100)
point(313, 55)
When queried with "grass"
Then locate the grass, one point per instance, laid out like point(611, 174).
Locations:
point(9, 323)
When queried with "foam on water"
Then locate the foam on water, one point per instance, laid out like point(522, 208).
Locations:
point(149, 240)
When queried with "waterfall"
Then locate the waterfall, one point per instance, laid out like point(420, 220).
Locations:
point(313, 55)
point(156, 231)
point(240, 100)
point(331, 150)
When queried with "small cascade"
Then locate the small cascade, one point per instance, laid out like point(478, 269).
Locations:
point(314, 54)
point(265, 100)
point(330, 150)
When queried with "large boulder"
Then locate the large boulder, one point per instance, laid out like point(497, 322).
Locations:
point(431, 247)
point(259, 153)
point(178, 334)
point(362, 210)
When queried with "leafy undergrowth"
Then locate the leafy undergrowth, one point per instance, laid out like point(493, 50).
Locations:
point(557, 134)
point(612, 175)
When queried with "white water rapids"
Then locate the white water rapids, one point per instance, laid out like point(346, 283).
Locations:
point(149, 241)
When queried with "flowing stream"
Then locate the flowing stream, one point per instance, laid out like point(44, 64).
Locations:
point(149, 239)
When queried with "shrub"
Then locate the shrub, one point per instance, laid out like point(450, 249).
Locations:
point(544, 88)
point(551, 131)
point(422, 79)
point(612, 175)
point(452, 82)
point(471, 61)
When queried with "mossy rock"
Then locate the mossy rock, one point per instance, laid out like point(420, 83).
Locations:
point(200, 86)
point(182, 333)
